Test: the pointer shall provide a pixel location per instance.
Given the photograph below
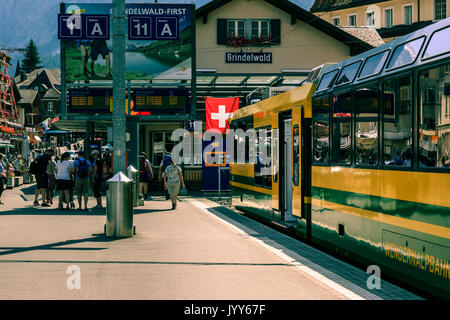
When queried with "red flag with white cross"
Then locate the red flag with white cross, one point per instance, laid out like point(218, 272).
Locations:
point(219, 112)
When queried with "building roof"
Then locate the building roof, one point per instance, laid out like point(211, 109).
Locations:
point(52, 94)
point(367, 34)
point(356, 44)
point(333, 5)
point(28, 96)
point(53, 75)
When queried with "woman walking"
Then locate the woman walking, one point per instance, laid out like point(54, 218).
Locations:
point(172, 178)
point(145, 175)
point(64, 181)
point(51, 178)
point(3, 177)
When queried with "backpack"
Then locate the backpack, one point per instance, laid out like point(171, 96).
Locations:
point(38, 166)
point(142, 167)
point(33, 167)
point(83, 170)
point(166, 162)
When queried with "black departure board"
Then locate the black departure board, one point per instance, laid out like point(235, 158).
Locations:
point(95, 100)
point(161, 101)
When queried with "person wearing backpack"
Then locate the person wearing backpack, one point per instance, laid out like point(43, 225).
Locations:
point(165, 162)
point(145, 175)
point(40, 172)
point(82, 170)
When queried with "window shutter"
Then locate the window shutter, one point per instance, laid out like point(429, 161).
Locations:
point(275, 29)
point(221, 31)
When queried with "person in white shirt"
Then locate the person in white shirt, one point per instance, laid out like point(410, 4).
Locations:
point(63, 180)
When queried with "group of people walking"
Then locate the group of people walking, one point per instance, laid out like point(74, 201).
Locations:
point(69, 177)
point(76, 177)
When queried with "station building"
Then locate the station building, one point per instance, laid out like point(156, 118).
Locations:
point(250, 49)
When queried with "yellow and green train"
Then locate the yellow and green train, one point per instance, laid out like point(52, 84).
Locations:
point(360, 159)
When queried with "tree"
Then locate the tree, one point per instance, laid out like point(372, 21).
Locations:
point(31, 58)
point(18, 69)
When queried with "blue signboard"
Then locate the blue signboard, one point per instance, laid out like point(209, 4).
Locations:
point(166, 28)
point(210, 171)
point(85, 27)
point(159, 46)
point(140, 28)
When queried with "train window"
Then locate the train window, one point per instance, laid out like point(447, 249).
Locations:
point(438, 43)
point(327, 80)
point(366, 125)
point(321, 128)
point(374, 64)
point(263, 164)
point(348, 73)
point(342, 128)
point(406, 53)
point(296, 155)
point(434, 117)
point(397, 121)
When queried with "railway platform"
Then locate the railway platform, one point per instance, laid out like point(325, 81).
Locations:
point(200, 251)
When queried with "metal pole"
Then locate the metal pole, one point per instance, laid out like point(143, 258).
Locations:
point(119, 117)
point(218, 169)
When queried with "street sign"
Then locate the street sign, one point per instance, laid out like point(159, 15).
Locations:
point(142, 27)
point(69, 26)
point(166, 28)
point(83, 27)
point(97, 27)
point(139, 27)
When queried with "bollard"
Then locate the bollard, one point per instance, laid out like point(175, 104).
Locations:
point(119, 207)
point(133, 174)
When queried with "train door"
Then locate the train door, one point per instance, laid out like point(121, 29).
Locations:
point(297, 114)
point(286, 171)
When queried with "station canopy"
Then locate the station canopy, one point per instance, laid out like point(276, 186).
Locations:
point(222, 85)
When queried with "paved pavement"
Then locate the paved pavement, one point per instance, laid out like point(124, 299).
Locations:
point(198, 251)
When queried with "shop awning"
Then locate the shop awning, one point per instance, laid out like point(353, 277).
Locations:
point(56, 132)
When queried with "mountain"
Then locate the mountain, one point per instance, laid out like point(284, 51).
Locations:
point(21, 20)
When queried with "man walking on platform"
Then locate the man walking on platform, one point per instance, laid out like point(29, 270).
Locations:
point(40, 173)
point(82, 169)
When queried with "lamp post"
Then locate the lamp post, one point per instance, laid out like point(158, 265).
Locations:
point(118, 116)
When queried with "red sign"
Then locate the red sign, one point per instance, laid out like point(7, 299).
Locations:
point(219, 112)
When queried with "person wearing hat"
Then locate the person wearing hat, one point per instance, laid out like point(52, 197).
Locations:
point(97, 177)
point(145, 175)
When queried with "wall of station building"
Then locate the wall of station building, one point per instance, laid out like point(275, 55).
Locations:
point(302, 46)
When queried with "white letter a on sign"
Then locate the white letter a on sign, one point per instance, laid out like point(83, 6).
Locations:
point(166, 29)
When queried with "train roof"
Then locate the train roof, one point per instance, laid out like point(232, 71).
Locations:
point(283, 101)
point(423, 46)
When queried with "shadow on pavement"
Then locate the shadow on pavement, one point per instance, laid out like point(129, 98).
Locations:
point(57, 245)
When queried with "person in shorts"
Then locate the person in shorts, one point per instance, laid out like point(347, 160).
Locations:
point(172, 178)
point(97, 177)
point(63, 180)
point(42, 179)
point(99, 47)
point(145, 175)
point(82, 170)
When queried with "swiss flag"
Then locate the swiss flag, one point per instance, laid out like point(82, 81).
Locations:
point(219, 112)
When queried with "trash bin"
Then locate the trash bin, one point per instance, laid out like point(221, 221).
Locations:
point(133, 174)
point(119, 207)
